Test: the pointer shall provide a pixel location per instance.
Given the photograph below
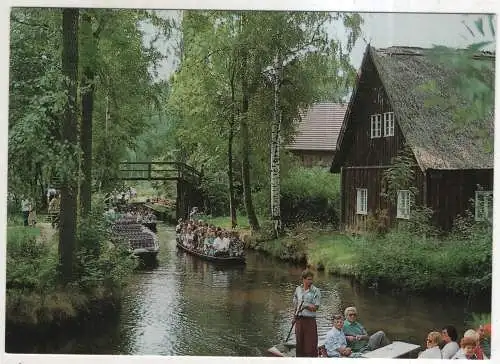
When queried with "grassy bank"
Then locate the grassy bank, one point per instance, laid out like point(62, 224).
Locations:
point(36, 301)
point(459, 263)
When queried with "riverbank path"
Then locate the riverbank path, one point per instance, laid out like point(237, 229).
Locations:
point(46, 232)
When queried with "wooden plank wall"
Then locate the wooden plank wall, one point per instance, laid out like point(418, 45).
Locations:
point(370, 178)
point(371, 99)
point(450, 192)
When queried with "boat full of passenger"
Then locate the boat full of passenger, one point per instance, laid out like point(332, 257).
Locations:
point(209, 242)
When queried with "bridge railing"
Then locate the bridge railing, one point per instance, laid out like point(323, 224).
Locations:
point(158, 171)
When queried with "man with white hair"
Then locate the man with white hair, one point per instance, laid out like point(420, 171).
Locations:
point(357, 337)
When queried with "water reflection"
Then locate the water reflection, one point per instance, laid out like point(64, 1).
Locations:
point(186, 306)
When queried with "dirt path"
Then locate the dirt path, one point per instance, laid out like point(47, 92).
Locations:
point(46, 232)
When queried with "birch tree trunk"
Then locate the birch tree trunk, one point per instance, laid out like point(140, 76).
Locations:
point(275, 149)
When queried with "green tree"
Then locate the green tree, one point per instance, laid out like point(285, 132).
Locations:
point(473, 68)
point(223, 89)
point(36, 100)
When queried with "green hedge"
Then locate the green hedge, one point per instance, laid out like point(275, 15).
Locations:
point(461, 264)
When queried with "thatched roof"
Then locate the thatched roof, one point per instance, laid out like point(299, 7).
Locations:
point(319, 127)
point(420, 86)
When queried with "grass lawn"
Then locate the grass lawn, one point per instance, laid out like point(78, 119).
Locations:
point(24, 230)
point(334, 251)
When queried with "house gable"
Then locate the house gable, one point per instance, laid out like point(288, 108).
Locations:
point(409, 78)
point(357, 147)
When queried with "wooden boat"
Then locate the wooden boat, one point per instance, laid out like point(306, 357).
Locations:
point(139, 240)
point(397, 349)
point(211, 258)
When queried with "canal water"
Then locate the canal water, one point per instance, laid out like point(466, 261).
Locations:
point(185, 306)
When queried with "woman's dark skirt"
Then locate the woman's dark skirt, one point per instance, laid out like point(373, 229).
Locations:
point(306, 334)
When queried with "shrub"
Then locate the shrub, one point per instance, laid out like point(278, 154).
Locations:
point(215, 192)
point(421, 262)
point(33, 292)
point(310, 194)
point(99, 263)
point(378, 223)
point(30, 264)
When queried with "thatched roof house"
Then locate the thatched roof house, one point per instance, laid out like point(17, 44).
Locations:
point(411, 97)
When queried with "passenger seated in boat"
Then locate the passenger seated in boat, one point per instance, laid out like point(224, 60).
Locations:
point(357, 336)
point(450, 337)
point(484, 332)
point(433, 343)
point(194, 241)
point(218, 248)
point(208, 243)
point(178, 228)
point(235, 245)
point(188, 238)
point(336, 342)
point(225, 241)
point(478, 351)
point(467, 348)
point(198, 238)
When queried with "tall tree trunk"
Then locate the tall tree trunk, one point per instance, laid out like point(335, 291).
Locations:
point(275, 149)
point(232, 205)
point(88, 87)
point(67, 224)
point(245, 165)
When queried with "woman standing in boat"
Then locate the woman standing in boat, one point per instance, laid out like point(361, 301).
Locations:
point(306, 300)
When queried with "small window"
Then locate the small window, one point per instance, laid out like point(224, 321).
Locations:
point(403, 211)
point(388, 124)
point(362, 201)
point(376, 123)
point(484, 206)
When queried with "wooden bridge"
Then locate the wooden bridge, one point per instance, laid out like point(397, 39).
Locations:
point(188, 180)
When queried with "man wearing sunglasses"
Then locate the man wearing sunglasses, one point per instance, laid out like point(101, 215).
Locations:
point(357, 336)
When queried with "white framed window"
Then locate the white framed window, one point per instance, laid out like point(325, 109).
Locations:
point(362, 201)
point(484, 206)
point(376, 125)
point(403, 204)
point(388, 124)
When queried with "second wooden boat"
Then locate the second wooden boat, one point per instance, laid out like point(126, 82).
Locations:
point(212, 258)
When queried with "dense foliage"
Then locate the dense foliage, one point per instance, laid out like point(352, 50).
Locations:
point(473, 79)
point(33, 293)
point(458, 263)
point(124, 93)
point(412, 257)
point(307, 195)
point(221, 99)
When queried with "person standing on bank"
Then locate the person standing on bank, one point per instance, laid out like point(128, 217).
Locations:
point(306, 300)
point(25, 208)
